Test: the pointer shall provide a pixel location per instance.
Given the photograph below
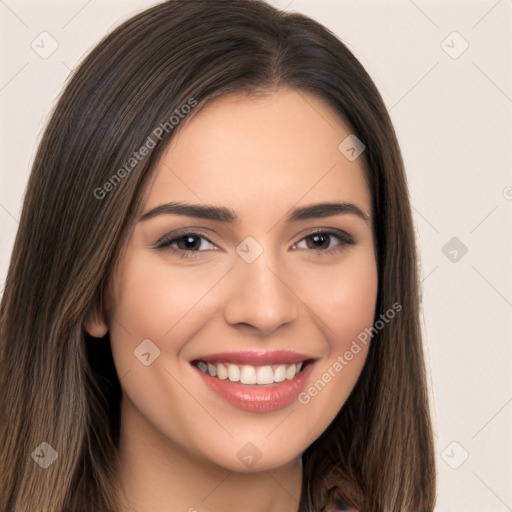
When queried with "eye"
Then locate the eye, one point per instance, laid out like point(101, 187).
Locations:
point(185, 244)
point(189, 244)
point(320, 240)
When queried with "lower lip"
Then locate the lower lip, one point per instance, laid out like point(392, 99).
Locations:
point(259, 398)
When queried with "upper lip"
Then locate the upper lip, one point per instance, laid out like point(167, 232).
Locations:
point(256, 357)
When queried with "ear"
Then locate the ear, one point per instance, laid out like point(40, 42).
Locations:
point(95, 323)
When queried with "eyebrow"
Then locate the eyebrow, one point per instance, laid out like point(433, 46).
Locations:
point(223, 214)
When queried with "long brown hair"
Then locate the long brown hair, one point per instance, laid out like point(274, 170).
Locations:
point(60, 386)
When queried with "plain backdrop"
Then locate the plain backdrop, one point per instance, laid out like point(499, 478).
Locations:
point(444, 71)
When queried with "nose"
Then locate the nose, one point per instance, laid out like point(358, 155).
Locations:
point(260, 297)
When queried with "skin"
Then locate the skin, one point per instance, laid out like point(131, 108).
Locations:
point(261, 157)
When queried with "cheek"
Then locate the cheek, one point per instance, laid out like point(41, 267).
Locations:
point(353, 309)
point(345, 299)
point(346, 307)
point(155, 302)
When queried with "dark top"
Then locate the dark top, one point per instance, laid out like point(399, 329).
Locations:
point(338, 505)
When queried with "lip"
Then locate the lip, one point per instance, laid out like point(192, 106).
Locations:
point(256, 357)
point(261, 398)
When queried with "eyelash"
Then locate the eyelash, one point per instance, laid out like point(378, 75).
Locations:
point(343, 238)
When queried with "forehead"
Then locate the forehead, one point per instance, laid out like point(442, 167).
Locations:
point(261, 154)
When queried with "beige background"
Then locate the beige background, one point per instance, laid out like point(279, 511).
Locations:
point(453, 116)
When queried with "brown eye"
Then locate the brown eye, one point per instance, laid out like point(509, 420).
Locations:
point(189, 242)
point(319, 241)
point(322, 241)
point(185, 244)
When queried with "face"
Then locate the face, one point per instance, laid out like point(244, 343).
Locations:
point(259, 287)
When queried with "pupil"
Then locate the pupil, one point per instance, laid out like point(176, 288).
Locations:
point(188, 243)
point(320, 238)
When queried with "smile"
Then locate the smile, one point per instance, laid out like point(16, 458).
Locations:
point(248, 374)
point(255, 381)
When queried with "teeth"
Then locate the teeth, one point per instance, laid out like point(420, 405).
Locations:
point(222, 373)
point(248, 374)
point(280, 373)
point(202, 366)
point(265, 375)
point(212, 370)
point(233, 373)
point(290, 372)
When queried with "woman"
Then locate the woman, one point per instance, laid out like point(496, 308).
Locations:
point(212, 302)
